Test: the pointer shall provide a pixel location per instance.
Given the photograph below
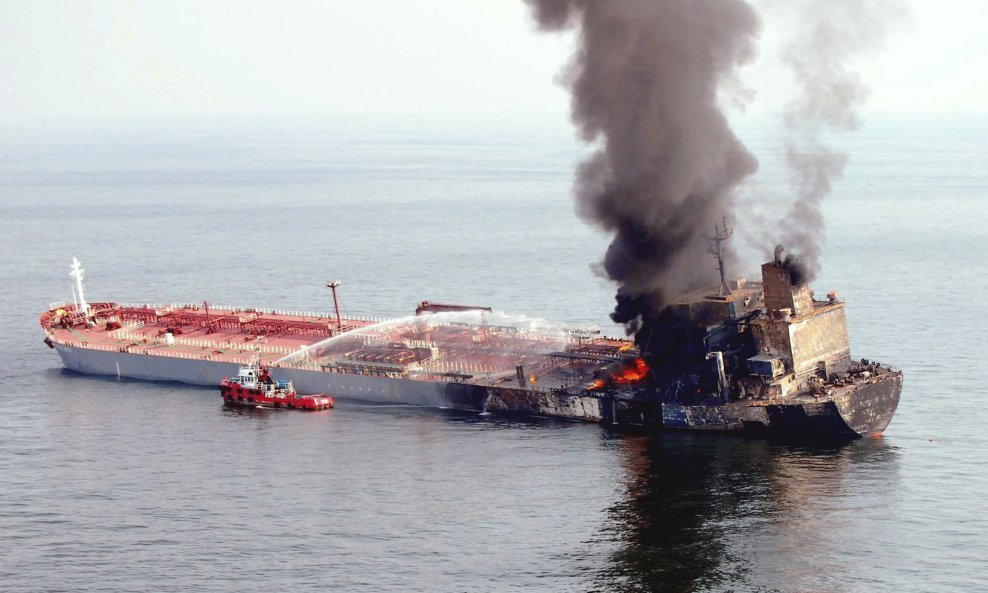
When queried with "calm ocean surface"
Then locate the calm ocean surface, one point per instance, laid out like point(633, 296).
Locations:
point(110, 485)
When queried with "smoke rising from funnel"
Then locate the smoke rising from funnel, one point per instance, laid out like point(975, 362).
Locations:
point(647, 82)
point(826, 37)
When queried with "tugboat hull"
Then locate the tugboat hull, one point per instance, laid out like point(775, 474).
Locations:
point(238, 395)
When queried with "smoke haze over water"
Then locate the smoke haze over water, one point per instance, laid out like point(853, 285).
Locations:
point(648, 82)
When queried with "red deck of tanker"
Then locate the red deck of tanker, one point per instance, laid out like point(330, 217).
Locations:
point(219, 333)
point(446, 356)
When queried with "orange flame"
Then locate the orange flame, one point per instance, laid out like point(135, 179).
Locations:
point(633, 373)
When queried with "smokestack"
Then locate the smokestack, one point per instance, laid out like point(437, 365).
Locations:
point(647, 83)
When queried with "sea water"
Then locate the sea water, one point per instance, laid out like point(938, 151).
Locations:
point(117, 485)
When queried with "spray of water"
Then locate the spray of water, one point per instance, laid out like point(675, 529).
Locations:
point(447, 332)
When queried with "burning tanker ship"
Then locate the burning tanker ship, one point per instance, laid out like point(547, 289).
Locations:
point(751, 357)
point(762, 357)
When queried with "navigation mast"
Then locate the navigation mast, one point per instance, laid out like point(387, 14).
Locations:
point(336, 303)
point(721, 233)
point(77, 272)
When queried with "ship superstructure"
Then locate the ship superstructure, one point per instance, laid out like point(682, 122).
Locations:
point(763, 357)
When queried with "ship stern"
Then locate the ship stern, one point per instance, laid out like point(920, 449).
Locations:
point(868, 408)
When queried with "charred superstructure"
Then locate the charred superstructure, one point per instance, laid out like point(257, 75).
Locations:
point(764, 357)
point(800, 341)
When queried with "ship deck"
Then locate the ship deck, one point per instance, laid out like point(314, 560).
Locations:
point(477, 347)
point(223, 334)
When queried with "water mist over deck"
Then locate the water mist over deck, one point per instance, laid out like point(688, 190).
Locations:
point(461, 342)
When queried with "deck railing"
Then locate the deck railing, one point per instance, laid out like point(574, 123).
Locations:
point(230, 309)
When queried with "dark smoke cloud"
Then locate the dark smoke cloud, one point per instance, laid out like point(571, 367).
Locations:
point(826, 37)
point(647, 83)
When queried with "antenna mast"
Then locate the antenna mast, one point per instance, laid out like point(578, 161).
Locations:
point(721, 233)
point(336, 303)
point(77, 273)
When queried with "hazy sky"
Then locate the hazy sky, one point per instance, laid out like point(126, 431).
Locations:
point(81, 57)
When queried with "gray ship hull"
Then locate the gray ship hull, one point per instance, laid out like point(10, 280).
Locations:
point(346, 386)
point(307, 382)
point(146, 367)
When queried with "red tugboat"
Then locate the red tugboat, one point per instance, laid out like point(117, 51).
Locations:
point(253, 387)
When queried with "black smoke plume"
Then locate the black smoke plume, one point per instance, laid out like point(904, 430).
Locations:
point(826, 37)
point(647, 83)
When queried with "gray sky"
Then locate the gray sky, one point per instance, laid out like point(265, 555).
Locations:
point(86, 57)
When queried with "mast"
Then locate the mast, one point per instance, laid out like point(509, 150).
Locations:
point(336, 303)
point(721, 233)
point(77, 272)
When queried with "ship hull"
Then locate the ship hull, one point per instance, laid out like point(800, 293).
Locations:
point(147, 367)
point(234, 394)
point(382, 390)
point(869, 410)
point(863, 410)
point(354, 387)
